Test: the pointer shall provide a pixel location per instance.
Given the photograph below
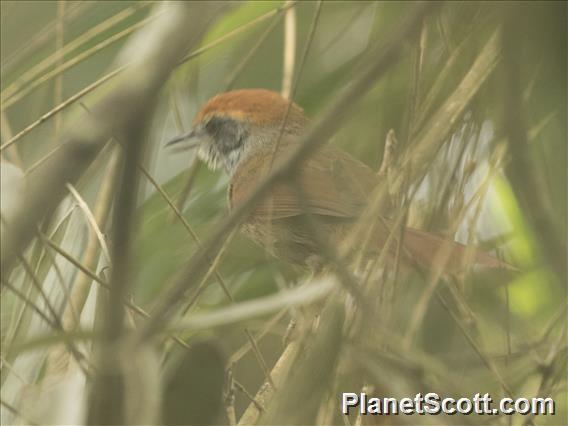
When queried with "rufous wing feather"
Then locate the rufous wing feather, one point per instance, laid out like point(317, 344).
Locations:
point(336, 185)
point(333, 184)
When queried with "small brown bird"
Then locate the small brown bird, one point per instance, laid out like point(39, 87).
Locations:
point(238, 131)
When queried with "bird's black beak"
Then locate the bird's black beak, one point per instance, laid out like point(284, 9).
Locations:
point(186, 137)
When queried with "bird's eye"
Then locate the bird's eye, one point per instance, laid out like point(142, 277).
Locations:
point(226, 132)
point(213, 126)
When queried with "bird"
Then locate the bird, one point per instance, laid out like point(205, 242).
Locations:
point(249, 132)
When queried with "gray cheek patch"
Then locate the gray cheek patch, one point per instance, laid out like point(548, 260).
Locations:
point(227, 143)
point(227, 134)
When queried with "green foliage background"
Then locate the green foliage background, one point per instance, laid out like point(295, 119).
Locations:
point(518, 322)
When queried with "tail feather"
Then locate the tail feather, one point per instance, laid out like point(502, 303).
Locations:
point(427, 249)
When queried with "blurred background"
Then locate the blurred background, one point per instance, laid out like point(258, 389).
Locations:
point(498, 180)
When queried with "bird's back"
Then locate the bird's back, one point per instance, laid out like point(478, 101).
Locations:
point(336, 188)
point(333, 183)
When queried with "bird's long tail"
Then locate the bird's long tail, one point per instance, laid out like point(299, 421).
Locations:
point(427, 249)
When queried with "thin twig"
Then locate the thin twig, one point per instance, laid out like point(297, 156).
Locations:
point(475, 346)
point(79, 357)
point(441, 260)
point(62, 282)
point(202, 285)
point(243, 350)
point(237, 31)
point(265, 393)
point(229, 397)
point(91, 220)
point(92, 275)
point(414, 92)
point(194, 167)
point(229, 81)
point(6, 134)
point(74, 261)
point(296, 82)
point(84, 38)
point(42, 37)
point(75, 61)
point(58, 89)
point(15, 411)
point(58, 359)
point(432, 135)
point(250, 397)
point(556, 354)
point(5, 364)
point(218, 276)
point(37, 285)
point(29, 303)
point(292, 95)
point(120, 69)
point(46, 189)
point(388, 153)
point(38, 256)
point(191, 177)
point(62, 106)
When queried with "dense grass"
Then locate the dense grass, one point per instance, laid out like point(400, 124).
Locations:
point(128, 294)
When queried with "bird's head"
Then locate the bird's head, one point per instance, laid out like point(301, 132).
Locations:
point(231, 124)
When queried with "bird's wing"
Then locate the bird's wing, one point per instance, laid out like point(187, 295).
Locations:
point(333, 182)
point(336, 185)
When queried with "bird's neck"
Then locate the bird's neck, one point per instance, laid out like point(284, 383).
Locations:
point(258, 139)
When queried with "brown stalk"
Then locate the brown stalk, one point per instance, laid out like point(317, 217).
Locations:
point(266, 392)
point(58, 359)
point(178, 25)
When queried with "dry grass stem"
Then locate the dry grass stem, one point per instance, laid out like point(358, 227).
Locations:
point(289, 50)
point(84, 38)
